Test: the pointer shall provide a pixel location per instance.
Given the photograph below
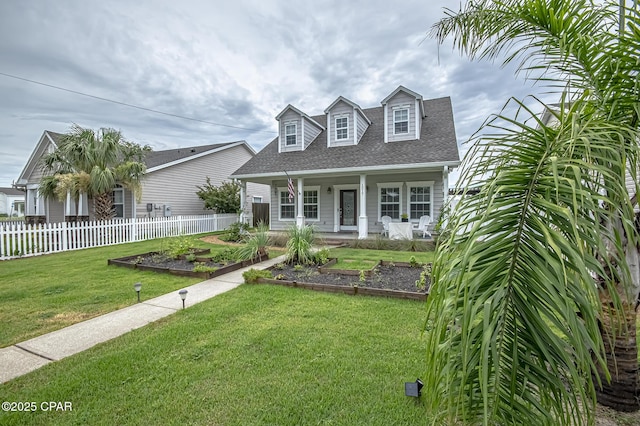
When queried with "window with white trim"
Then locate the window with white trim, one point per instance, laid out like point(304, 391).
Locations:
point(401, 121)
point(311, 204)
point(420, 199)
point(290, 133)
point(342, 128)
point(389, 200)
point(257, 199)
point(287, 208)
point(117, 197)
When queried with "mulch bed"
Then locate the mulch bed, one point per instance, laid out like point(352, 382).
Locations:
point(385, 279)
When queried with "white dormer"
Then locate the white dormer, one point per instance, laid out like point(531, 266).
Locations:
point(296, 130)
point(403, 114)
point(346, 123)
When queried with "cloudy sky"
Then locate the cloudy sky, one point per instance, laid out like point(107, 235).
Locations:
point(232, 65)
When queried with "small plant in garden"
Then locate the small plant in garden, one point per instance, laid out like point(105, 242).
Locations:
point(299, 245)
point(175, 247)
point(279, 277)
point(190, 257)
point(298, 268)
point(256, 245)
point(362, 276)
point(279, 266)
point(225, 256)
point(138, 260)
point(413, 262)
point(322, 256)
point(252, 275)
point(203, 267)
point(421, 283)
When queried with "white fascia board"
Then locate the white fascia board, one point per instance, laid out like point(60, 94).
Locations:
point(401, 89)
point(353, 170)
point(202, 154)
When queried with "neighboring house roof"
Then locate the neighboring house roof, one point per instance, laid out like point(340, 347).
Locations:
point(437, 145)
point(155, 159)
point(12, 191)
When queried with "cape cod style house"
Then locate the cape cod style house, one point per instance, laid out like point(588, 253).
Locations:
point(351, 166)
point(168, 187)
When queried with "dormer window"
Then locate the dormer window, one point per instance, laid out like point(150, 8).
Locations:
point(290, 132)
point(401, 121)
point(342, 128)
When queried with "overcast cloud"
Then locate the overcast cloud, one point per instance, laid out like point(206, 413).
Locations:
point(236, 63)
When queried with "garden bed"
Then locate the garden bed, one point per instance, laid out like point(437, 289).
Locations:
point(158, 262)
point(384, 279)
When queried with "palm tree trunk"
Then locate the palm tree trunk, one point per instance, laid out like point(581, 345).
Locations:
point(103, 204)
point(618, 332)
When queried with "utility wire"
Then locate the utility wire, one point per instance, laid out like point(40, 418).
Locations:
point(132, 106)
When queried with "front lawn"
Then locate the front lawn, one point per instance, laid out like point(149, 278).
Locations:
point(45, 293)
point(255, 355)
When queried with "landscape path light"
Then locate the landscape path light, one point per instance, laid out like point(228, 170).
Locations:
point(137, 287)
point(183, 296)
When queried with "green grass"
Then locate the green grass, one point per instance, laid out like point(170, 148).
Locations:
point(355, 264)
point(353, 255)
point(45, 293)
point(255, 355)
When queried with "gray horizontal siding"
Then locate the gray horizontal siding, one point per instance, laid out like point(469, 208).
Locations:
point(328, 206)
point(401, 99)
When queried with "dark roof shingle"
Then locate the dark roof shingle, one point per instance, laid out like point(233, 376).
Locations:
point(437, 144)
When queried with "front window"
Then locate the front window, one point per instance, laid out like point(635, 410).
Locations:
point(342, 128)
point(287, 208)
point(419, 201)
point(290, 132)
point(390, 202)
point(311, 204)
point(118, 202)
point(400, 121)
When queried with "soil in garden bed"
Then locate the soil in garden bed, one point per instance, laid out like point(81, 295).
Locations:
point(161, 261)
point(389, 277)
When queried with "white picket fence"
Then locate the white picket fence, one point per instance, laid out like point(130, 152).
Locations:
point(19, 240)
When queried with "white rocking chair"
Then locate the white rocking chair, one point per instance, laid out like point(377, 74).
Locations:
point(423, 225)
point(385, 225)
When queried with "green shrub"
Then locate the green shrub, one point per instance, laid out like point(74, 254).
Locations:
point(190, 257)
point(256, 245)
point(299, 245)
point(203, 267)
point(322, 256)
point(236, 232)
point(228, 255)
point(176, 247)
point(252, 275)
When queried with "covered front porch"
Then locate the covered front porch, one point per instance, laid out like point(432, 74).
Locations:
point(353, 204)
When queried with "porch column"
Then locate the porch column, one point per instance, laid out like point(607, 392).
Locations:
point(363, 221)
point(243, 197)
point(300, 203)
point(67, 206)
point(445, 184)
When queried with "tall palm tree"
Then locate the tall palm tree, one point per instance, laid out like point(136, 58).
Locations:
point(535, 278)
point(92, 162)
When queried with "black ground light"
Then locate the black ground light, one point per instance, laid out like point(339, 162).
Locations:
point(413, 388)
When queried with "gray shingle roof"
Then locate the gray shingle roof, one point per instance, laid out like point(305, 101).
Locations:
point(157, 158)
point(437, 144)
point(11, 191)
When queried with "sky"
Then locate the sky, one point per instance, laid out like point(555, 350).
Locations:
point(227, 67)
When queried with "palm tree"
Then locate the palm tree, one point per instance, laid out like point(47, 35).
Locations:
point(92, 162)
point(535, 278)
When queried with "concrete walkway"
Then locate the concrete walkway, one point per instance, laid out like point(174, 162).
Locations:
point(32, 354)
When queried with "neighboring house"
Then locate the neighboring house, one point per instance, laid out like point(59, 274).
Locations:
point(168, 188)
point(11, 202)
point(351, 166)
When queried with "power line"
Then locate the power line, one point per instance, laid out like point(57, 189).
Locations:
point(132, 106)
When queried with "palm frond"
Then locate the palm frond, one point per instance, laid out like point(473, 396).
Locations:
point(512, 311)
